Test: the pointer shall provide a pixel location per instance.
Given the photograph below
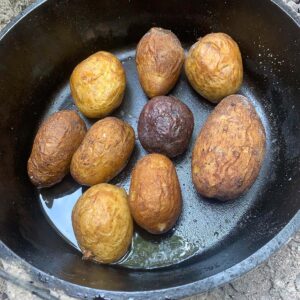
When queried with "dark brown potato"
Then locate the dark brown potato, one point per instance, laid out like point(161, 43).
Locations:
point(155, 195)
point(165, 126)
point(229, 150)
point(104, 151)
point(53, 147)
point(214, 66)
point(159, 59)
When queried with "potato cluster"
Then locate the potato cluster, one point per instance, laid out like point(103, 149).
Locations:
point(226, 159)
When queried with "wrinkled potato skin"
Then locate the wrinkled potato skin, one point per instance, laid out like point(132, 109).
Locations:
point(214, 66)
point(104, 152)
point(159, 59)
point(98, 84)
point(102, 223)
point(229, 150)
point(54, 145)
point(155, 195)
point(165, 126)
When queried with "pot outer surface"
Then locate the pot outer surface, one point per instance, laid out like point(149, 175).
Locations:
point(37, 57)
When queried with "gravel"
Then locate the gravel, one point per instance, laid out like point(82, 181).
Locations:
point(277, 278)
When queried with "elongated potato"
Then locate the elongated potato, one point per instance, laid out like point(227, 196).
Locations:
point(159, 59)
point(229, 150)
point(102, 223)
point(53, 147)
point(155, 195)
point(104, 152)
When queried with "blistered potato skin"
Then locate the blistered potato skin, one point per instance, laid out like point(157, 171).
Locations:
point(155, 195)
point(102, 223)
point(54, 145)
point(229, 150)
point(214, 66)
point(104, 152)
point(98, 84)
point(159, 59)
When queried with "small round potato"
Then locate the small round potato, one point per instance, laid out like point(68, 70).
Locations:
point(155, 195)
point(53, 147)
point(102, 223)
point(229, 150)
point(98, 84)
point(165, 126)
point(159, 59)
point(104, 152)
point(214, 66)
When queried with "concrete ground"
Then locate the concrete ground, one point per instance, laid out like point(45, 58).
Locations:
point(277, 278)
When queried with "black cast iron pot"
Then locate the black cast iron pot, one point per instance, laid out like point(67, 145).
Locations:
point(213, 242)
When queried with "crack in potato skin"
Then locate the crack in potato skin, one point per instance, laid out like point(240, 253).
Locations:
point(98, 84)
point(214, 66)
point(104, 151)
point(102, 223)
point(155, 195)
point(159, 59)
point(54, 145)
point(229, 150)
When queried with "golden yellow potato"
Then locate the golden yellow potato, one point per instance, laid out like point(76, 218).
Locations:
point(53, 147)
point(102, 223)
point(104, 151)
point(159, 59)
point(229, 150)
point(214, 66)
point(98, 84)
point(155, 195)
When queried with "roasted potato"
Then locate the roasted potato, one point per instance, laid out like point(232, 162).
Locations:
point(102, 223)
point(165, 126)
point(229, 150)
point(214, 66)
point(159, 59)
point(104, 151)
point(155, 195)
point(54, 145)
point(98, 84)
